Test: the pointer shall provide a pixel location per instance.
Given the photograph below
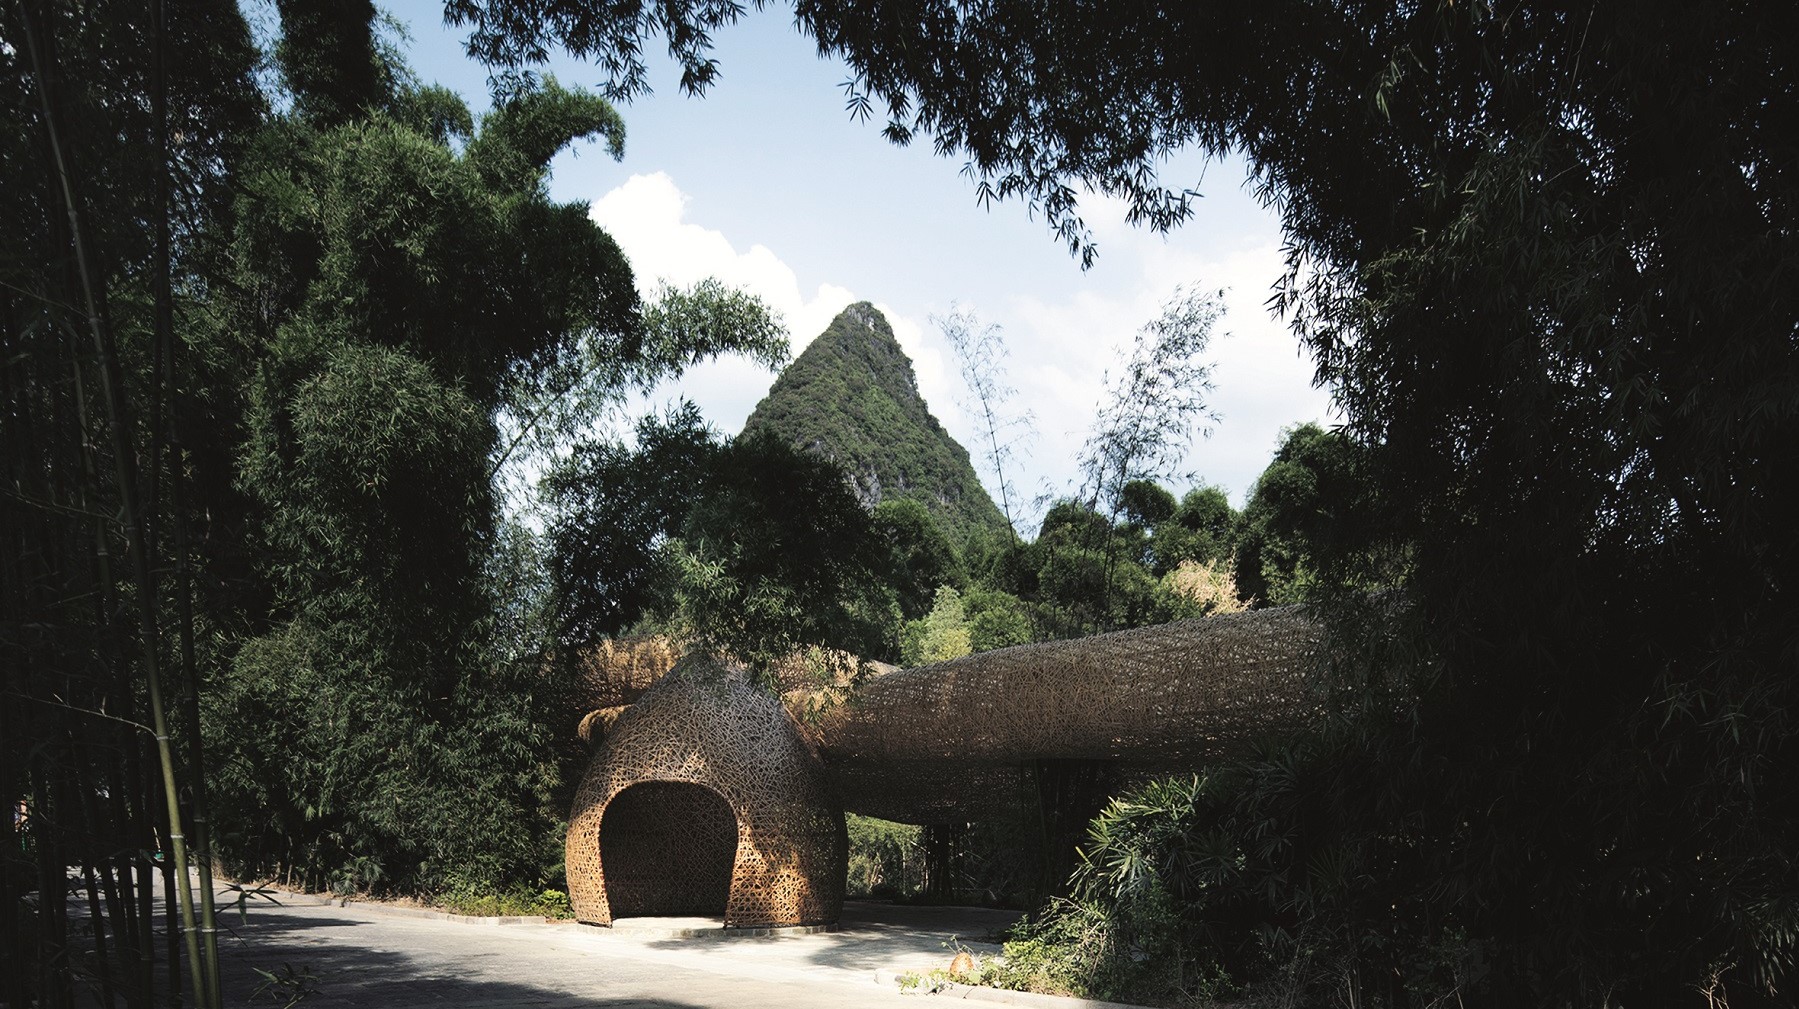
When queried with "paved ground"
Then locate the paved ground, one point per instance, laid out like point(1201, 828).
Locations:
point(360, 956)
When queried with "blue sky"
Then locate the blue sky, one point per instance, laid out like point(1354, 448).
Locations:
point(769, 184)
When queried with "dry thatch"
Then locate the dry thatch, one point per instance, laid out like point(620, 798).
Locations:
point(617, 671)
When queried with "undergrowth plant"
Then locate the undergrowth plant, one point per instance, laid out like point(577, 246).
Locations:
point(470, 897)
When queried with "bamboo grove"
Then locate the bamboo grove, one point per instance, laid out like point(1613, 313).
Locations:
point(106, 201)
point(263, 318)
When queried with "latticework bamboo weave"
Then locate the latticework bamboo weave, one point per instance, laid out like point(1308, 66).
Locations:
point(945, 743)
point(706, 729)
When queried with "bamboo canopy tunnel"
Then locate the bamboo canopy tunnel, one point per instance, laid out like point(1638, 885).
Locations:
point(707, 795)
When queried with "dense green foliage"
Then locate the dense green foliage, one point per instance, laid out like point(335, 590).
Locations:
point(761, 549)
point(851, 396)
point(885, 859)
point(265, 354)
point(389, 294)
point(750, 547)
point(1087, 574)
point(941, 634)
point(623, 556)
point(1309, 522)
point(923, 558)
point(1544, 257)
point(404, 293)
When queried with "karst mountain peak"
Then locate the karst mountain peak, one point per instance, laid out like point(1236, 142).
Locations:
point(852, 396)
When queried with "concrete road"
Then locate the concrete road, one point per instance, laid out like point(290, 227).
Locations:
point(370, 956)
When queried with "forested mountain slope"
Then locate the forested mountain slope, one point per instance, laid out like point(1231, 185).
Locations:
point(852, 396)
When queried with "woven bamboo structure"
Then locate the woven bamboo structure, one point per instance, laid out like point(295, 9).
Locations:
point(947, 743)
point(702, 798)
point(684, 759)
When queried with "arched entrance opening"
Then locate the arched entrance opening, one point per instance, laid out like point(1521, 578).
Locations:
point(667, 848)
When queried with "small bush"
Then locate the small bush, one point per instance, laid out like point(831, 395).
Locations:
point(1138, 953)
point(463, 896)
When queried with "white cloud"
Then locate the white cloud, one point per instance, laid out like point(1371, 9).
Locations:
point(1261, 377)
point(646, 215)
point(1062, 343)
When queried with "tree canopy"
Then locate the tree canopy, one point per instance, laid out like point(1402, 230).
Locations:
point(1544, 257)
point(748, 547)
point(266, 342)
point(390, 295)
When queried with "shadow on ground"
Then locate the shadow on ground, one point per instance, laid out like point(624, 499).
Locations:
point(326, 957)
point(875, 934)
point(277, 958)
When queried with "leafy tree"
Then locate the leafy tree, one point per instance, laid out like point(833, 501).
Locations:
point(1308, 520)
point(749, 548)
point(1202, 530)
point(407, 313)
point(1153, 406)
point(940, 635)
point(996, 619)
point(328, 57)
point(923, 560)
point(1145, 504)
point(1075, 593)
point(777, 555)
point(382, 307)
point(1072, 580)
point(981, 357)
point(1085, 574)
point(1091, 576)
point(1073, 523)
point(612, 508)
point(1012, 567)
point(555, 403)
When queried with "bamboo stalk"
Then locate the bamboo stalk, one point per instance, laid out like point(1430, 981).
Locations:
point(102, 948)
point(125, 466)
point(207, 985)
point(127, 897)
point(54, 987)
